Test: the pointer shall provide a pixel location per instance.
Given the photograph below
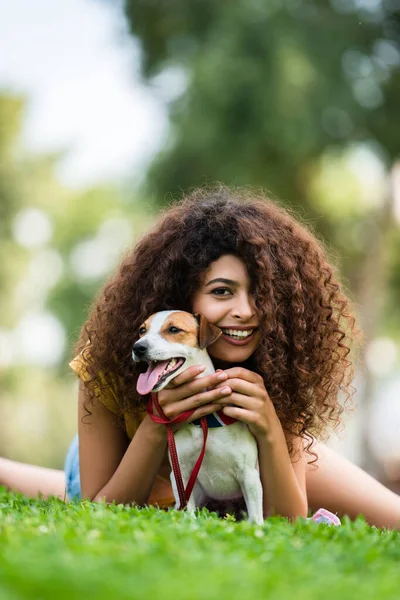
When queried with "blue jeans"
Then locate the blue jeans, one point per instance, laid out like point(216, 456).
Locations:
point(71, 468)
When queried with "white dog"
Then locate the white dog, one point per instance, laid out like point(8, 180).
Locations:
point(171, 341)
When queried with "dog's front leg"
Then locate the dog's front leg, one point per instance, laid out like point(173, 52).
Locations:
point(188, 450)
point(191, 505)
point(252, 491)
point(174, 489)
point(197, 498)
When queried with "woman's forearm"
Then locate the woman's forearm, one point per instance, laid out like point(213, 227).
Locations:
point(282, 494)
point(134, 478)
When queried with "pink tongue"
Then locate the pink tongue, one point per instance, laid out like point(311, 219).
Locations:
point(148, 380)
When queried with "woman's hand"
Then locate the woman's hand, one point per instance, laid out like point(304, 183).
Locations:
point(189, 391)
point(250, 400)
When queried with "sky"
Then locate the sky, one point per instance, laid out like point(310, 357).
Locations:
point(79, 70)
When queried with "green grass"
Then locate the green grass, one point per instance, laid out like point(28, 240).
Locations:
point(51, 550)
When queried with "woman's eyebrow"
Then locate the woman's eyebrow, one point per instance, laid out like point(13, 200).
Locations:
point(223, 280)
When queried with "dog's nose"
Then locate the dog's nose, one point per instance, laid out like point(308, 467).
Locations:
point(140, 348)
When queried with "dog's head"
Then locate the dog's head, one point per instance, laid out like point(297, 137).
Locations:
point(169, 342)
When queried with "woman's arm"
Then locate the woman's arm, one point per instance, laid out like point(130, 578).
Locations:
point(134, 477)
point(111, 467)
point(283, 480)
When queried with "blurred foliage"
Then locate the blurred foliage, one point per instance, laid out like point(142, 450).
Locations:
point(10, 119)
point(37, 415)
point(392, 308)
point(270, 86)
point(58, 275)
point(76, 217)
point(278, 94)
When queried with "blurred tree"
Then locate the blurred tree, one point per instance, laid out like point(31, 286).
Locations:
point(11, 108)
point(58, 270)
point(10, 122)
point(272, 88)
point(271, 85)
point(29, 182)
point(57, 246)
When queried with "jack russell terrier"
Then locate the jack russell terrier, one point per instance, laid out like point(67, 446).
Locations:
point(171, 341)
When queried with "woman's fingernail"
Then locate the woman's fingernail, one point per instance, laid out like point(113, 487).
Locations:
point(225, 390)
point(200, 368)
point(222, 376)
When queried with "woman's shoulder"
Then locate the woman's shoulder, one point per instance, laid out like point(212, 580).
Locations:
point(105, 389)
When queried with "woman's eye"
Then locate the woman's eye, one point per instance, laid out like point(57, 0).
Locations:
point(221, 292)
point(174, 329)
point(142, 330)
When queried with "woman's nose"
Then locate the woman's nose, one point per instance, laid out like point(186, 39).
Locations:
point(245, 307)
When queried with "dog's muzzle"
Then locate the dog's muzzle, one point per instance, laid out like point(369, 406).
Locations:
point(140, 350)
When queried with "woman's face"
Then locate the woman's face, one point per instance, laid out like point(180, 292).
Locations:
point(225, 300)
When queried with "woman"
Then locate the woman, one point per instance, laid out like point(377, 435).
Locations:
point(241, 261)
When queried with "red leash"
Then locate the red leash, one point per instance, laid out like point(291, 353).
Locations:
point(184, 494)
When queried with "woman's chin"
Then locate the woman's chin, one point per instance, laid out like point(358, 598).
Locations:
point(221, 364)
point(225, 355)
point(223, 360)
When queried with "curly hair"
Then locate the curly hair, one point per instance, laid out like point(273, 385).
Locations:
point(306, 320)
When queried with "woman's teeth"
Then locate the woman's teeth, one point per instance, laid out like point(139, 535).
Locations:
point(235, 333)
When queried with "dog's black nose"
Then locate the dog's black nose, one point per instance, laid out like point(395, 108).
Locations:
point(140, 348)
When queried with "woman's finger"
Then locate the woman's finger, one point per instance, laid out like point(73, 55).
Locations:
point(241, 386)
point(190, 388)
point(197, 400)
point(241, 414)
point(208, 409)
point(240, 401)
point(187, 375)
point(241, 373)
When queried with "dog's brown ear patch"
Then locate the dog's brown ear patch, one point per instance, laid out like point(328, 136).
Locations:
point(207, 334)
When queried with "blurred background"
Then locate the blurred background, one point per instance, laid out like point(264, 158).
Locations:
point(109, 109)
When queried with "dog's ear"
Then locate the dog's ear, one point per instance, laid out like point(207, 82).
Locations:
point(207, 334)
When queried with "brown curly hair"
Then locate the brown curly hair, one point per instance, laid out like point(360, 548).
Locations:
point(306, 320)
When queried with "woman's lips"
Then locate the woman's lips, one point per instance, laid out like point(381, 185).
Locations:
point(234, 342)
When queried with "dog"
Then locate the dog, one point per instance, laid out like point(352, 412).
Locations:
point(171, 341)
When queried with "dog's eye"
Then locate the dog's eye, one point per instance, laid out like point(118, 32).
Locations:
point(174, 329)
point(142, 330)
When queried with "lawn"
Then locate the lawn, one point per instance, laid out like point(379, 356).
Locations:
point(51, 550)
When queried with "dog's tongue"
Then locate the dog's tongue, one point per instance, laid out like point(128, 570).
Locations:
point(148, 380)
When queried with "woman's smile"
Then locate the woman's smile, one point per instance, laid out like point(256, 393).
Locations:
point(226, 301)
point(238, 337)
